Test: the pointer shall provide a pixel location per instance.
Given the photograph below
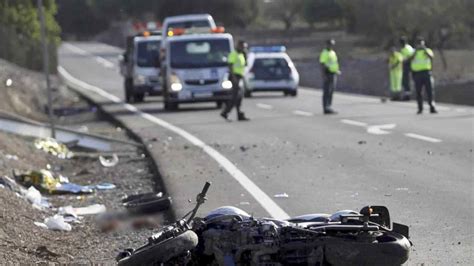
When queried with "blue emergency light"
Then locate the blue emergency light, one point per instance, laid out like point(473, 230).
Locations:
point(268, 49)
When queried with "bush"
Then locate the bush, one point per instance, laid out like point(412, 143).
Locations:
point(20, 35)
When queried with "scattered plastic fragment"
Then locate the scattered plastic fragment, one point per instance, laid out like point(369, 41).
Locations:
point(282, 195)
point(11, 157)
point(402, 189)
point(43, 180)
point(42, 225)
point(244, 203)
point(52, 146)
point(105, 186)
point(57, 223)
point(89, 210)
point(75, 212)
point(9, 82)
point(362, 142)
point(109, 162)
point(33, 195)
point(73, 188)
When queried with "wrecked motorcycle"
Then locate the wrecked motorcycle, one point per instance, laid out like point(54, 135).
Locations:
point(229, 236)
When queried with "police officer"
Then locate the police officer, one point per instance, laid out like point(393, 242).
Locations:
point(407, 52)
point(421, 63)
point(330, 70)
point(395, 66)
point(237, 61)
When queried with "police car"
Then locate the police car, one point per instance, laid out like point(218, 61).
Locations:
point(269, 68)
point(194, 67)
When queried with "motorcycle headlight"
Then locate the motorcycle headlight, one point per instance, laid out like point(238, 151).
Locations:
point(139, 80)
point(227, 84)
point(175, 83)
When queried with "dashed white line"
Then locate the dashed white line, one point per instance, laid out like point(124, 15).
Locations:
point(261, 197)
point(424, 138)
point(104, 62)
point(353, 123)
point(264, 106)
point(302, 113)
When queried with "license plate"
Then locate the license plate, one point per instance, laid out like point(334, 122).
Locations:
point(203, 94)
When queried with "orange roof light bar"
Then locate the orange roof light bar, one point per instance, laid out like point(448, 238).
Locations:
point(219, 29)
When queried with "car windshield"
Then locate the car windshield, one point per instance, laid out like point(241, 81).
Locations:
point(148, 52)
point(189, 24)
point(271, 68)
point(199, 53)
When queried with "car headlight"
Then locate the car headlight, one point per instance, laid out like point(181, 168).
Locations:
point(139, 80)
point(227, 84)
point(175, 83)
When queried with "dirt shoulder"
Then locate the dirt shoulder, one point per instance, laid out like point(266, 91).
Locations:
point(21, 241)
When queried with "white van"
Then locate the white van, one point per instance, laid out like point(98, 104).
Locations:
point(139, 65)
point(195, 69)
point(186, 22)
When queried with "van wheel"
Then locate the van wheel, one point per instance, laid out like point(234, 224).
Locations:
point(294, 93)
point(128, 87)
point(139, 97)
point(171, 106)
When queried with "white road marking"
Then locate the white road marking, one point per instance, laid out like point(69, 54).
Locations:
point(442, 108)
point(424, 138)
point(302, 113)
point(264, 106)
point(104, 62)
point(261, 197)
point(460, 110)
point(354, 123)
point(380, 129)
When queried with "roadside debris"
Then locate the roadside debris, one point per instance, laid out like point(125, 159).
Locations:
point(362, 142)
point(109, 162)
point(147, 203)
point(52, 146)
point(46, 181)
point(57, 223)
point(89, 210)
point(44, 252)
point(11, 157)
point(282, 195)
point(9, 82)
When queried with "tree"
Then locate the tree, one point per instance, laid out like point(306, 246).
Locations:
point(321, 11)
point(287, 11)
point(20, 32)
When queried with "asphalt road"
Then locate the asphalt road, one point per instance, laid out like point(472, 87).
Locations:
point(371, 153)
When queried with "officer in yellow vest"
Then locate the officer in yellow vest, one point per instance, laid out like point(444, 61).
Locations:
point(330, 69)
point(421, 63)
point(407, 52)
point(395, 66)
point(237, 61)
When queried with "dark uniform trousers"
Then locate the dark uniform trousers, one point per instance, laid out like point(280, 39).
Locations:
point(406, 78)
point(237, 95)
point(329, 84)
point(423, 79)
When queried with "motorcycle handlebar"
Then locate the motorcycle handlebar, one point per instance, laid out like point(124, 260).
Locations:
point(205, 189)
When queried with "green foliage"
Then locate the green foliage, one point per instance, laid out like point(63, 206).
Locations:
point(321, 11)
point(287, 11)
point(437, 20)
point(20, 35)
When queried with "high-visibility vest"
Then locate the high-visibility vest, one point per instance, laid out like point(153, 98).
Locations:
point(407, 51)
point(237, 60)
point(395, 58)
point(421, 61)
point(329, 59)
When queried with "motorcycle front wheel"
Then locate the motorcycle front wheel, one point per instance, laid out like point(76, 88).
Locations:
point(161, 252)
